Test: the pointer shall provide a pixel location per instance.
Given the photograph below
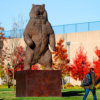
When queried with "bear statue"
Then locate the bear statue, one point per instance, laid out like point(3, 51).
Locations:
point(38, 35)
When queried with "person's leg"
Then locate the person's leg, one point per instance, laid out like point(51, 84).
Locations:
point(86, 93)
point(94, 94)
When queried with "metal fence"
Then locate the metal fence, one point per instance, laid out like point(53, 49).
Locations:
point(78, 27)
point(60, 29)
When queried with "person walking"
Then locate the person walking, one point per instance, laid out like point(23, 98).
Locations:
point(90, 85)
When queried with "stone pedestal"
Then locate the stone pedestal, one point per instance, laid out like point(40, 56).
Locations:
point(38, 83)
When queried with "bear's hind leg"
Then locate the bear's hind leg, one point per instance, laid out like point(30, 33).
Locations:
point(28, 59)
point(46, 60)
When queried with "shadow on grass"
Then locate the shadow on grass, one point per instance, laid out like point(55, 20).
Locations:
point(72, 93)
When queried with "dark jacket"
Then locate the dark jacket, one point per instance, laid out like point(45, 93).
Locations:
point(93, 81)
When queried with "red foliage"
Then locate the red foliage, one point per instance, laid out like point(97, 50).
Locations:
point(34, 67)
point(97, 63)
point(18, 61)
point(1, 33)
point(1, 45)
point(61, 58)
point(9, 72)
point(78, 72)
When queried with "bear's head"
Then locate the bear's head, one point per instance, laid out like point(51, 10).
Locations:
point(38, 13)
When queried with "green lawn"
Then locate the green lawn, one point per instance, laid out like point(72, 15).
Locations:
point(67, 94)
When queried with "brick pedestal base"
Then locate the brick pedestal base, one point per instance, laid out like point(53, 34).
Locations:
point(38, 83)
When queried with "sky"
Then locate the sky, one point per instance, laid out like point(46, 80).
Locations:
point(59, 11)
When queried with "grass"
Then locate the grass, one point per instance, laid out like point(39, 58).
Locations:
point(67, 94)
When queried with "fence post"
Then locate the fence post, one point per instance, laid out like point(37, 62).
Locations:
point(75, 27)
point(63, 28)
point(88, 26)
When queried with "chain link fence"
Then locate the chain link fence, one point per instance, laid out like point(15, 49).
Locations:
point(60, 29)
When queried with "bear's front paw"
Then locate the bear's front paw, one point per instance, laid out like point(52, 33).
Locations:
point(31, 44)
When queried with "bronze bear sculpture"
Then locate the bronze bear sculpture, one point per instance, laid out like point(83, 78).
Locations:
point(38, 35)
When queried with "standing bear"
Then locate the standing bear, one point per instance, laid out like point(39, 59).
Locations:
point(38, 35)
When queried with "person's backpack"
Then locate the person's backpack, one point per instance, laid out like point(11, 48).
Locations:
point(87, 80)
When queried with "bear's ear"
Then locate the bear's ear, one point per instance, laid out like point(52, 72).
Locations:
point(43, 5)
point(33, 5)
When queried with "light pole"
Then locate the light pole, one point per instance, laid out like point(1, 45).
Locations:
point(8, 76)
point(68, 48)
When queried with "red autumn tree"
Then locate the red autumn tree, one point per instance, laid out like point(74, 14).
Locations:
point(96, 63)
point(80, 65)
point(1, 45)
point(60, 57)
point(1, 52)
point(18, 61)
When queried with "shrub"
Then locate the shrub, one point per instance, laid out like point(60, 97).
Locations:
point(67, 85)
point(77, 87)
point(5, 86)
point(70, 86)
